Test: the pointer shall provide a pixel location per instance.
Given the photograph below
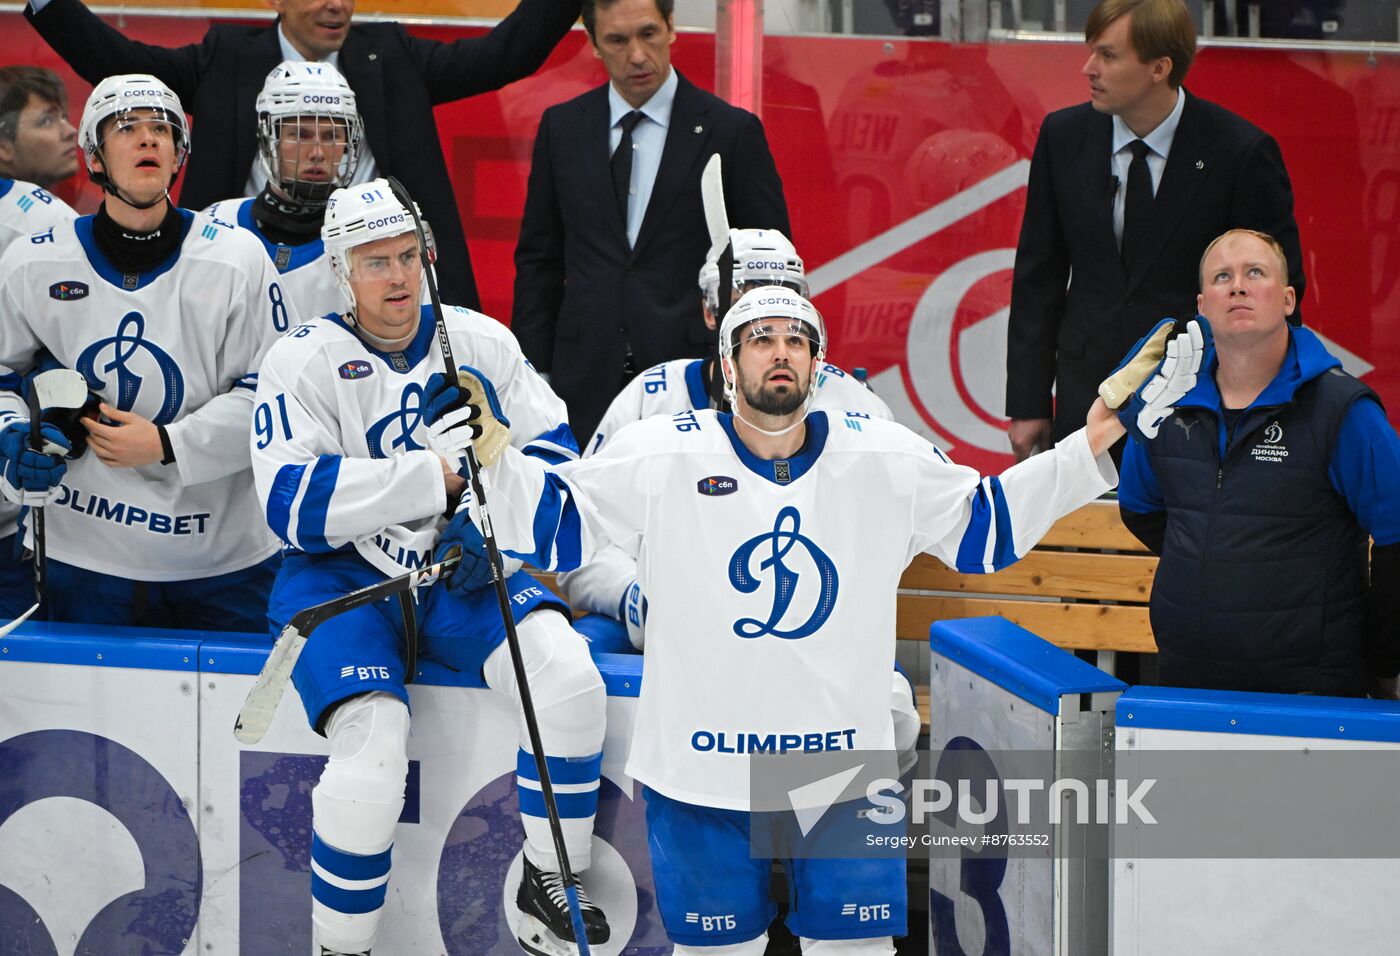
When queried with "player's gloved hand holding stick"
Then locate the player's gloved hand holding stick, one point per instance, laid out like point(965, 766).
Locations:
point(32, 462)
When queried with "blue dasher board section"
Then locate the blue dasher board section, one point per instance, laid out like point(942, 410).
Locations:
point(1023, 663)
point(133, 822)
point(1275, 715)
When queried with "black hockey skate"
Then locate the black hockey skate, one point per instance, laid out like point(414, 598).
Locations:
point(336, 952)
point(545, 928)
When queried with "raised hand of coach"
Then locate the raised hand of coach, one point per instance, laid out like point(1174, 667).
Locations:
point(1155, 374)
point(464, 413)
point(29, 476)
point(463, 539)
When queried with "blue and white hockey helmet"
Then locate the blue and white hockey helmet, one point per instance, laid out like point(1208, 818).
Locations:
point(360, 214)
point(120, 97)
point(761, 257)
point(769, 310)
point(305, 101)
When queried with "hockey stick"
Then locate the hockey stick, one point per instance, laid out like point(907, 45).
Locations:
point(57, 388)
point(717, 221)
point(260, 706)
point(493, 555)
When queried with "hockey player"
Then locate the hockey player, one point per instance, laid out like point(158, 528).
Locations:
point(309, 135)
point(606, 586)
point(770, 543)
point(357, 460)
point(151, 516)
point(24, 209)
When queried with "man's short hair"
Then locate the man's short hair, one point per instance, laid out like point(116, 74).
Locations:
point(1263, 237)
point(17, 84)
point(667, 9)
point(1159, 28)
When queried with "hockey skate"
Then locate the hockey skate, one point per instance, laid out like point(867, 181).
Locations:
point(336, 952)
point(545, 928)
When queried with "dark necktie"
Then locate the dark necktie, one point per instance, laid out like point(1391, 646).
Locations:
point(1137, 208)
point(622, 163)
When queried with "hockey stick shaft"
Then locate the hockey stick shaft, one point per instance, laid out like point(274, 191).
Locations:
point(41, 564)
point(493, 555)
point(260, 706)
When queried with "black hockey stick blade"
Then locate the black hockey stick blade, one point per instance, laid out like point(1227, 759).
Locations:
point(260, 706)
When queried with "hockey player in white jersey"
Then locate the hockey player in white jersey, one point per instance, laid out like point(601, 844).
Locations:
point(770, 543)
point(25, 209)
point(150, 512)
point(309, 135)
point(357, 468)
point(606, 587)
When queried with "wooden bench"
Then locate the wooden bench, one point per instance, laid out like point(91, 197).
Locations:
point(1084, 587)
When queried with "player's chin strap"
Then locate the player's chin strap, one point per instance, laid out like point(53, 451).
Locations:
point(770, 434)
point(103, 180)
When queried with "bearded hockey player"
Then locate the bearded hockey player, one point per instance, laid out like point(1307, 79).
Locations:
point(309, 135)
point(357, 459)
point(150, 512)
point(769, 543)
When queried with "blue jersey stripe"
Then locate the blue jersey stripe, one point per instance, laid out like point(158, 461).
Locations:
point(315, 503)
point(972, 549)
point(280, 497)
point(1004, 547)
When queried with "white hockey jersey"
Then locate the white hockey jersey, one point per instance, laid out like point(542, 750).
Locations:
point(179, 345)
point(304, 271)
point(26, 209)
point(772, 584)
point(340, 446)
point(665, 389)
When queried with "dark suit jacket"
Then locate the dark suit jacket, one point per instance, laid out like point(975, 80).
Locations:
point(581, 296)
point(1074, 310)
point(397, 79)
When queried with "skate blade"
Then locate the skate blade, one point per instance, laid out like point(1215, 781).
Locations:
point(535, 938)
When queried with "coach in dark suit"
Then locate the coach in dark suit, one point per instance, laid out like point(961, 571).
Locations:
point(1113, 230)
point(613, 237)
point(397, 79)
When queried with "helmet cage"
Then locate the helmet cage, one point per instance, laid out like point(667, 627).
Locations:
point(301, 98)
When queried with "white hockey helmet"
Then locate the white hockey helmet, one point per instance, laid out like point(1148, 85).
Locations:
point(298, 92)
point(355, 215)
point(117, 96)
point(761, 257)
point(769, 310)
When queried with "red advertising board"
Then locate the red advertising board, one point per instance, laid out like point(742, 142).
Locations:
point(904, 164)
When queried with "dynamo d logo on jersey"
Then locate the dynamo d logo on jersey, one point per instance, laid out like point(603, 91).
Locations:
point(793, 571)
point(355, 369)
point(68, 291)
point(398, 425)
point(137, 364)
point(716, 485)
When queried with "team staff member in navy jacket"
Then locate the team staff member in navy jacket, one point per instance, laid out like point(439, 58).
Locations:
point(1260, 494)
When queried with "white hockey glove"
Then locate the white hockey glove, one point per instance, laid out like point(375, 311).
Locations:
point(1155, 374)
point(464, 413)
point(27, 476)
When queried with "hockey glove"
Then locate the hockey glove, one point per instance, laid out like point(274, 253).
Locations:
point(464, 538)
point(29, 477)
point(464, 413)
point(634, 615)
point(1155, 374)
